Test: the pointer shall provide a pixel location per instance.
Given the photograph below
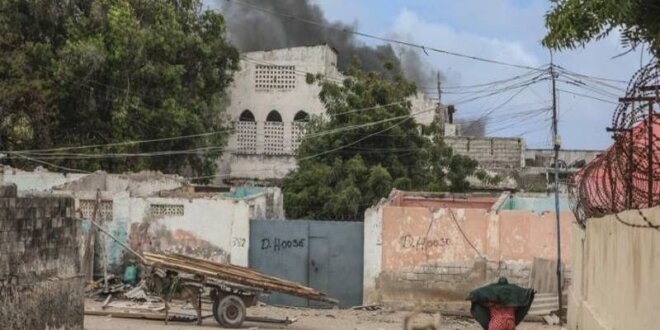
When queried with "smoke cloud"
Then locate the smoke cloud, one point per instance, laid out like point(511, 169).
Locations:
point(253, 30)
point(472, 127)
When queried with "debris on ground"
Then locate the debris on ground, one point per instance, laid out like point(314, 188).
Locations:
point(106, 302)
point(306, 319)
point(138, 292)
point(143, 315)
point(97, 289)
point(367, 307)
point(551, 319)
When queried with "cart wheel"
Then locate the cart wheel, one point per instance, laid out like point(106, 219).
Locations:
point(229, 311)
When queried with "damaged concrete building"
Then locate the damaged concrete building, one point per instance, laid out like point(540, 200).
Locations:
point(156, 212)
point(271, 101)
point(522, 168)
point(425, 248)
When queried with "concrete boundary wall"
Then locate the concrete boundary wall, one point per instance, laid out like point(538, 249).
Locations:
point(615, 273)
point(424, 255)
point(40, 282)
point(490, 152)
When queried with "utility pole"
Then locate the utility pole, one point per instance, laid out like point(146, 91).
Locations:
point(557, 144)
point(439, 88)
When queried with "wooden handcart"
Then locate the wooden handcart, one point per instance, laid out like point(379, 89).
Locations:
point(232, 288)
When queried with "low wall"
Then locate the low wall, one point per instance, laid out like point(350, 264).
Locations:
point(37, 180)
point(615, 273)
point(214, 228)
point(40, 285)
point(254, 167)
point(490, 152)
point(426, 255)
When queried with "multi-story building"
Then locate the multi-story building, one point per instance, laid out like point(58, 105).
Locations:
point(270, 103)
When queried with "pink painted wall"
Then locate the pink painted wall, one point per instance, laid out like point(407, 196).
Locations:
point(525, 235)
point(416, 253)
point(471, 202)
point(414, 236)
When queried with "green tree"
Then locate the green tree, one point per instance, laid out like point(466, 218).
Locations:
point(354, 158)
point(573, 23)
point(88, 72)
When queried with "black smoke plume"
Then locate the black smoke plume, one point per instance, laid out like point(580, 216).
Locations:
point(253, 30)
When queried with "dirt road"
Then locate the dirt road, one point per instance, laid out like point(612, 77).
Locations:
point(307, 319)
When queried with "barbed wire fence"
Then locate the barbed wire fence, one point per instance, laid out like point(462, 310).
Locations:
point(627, 175)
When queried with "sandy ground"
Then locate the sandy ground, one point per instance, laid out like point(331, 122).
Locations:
point(307, 319)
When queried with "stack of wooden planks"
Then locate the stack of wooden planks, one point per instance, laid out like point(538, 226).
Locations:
point(234, 274)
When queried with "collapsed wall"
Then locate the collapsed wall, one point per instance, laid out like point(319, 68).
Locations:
point(40, 284)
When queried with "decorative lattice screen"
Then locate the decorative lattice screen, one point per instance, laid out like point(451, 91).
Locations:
point(275, 77)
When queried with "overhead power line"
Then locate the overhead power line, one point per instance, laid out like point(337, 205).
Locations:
point(53, 165)
point(523, 84)
point(182, 137)
point(356, 141)
point(566, 71)
point(490, 83)
point(173, 138)
point(587, 96)
point(40, 155)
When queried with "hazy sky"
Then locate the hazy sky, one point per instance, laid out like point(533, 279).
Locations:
point(510, 31)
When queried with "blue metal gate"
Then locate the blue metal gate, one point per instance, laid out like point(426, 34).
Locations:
point(326, 255)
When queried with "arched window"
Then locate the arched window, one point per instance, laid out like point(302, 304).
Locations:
point(274, 116)
point(246, 115)
point(301, 116)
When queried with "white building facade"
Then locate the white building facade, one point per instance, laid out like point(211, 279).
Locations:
point(270, 103)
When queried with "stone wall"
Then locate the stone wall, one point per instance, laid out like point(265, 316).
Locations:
point(491, 153)
point(441, 281)
point(40, 284)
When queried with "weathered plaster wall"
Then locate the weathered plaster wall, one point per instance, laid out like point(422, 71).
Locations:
point(615, 273)
point(266, 203)
point(40, 285)
point(419, 254)
point(276, 80)
point(115, 220)
point(373, 250)
point(213, 228)
point(210, 228)
point(140, 184)
point(257, 167)
point(38, 180)
point(260, 101)
point(535, 204)
point(525, 235)
point(455, 202)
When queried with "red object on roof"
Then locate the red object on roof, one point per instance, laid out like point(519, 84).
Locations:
point(625, 176)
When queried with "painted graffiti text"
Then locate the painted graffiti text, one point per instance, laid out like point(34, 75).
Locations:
point(277, 244)
point(238, 242)
point(422, 243)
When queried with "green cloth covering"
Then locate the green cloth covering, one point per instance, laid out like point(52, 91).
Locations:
point(501, 293)
point(131, 275)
